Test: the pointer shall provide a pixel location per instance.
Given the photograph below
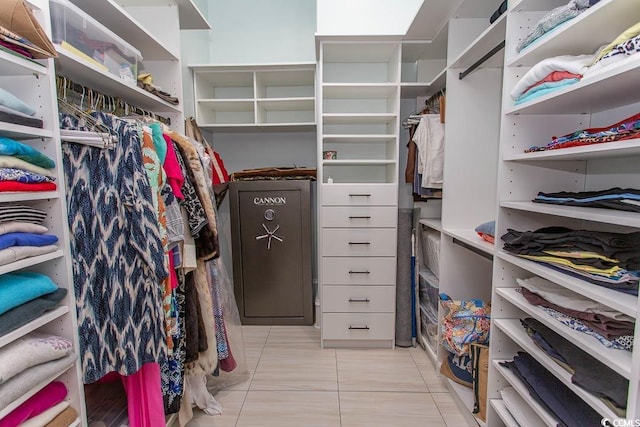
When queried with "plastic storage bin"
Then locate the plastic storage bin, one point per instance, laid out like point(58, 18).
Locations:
point(83, 36)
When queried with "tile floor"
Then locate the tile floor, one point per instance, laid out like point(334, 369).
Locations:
point(295, 383)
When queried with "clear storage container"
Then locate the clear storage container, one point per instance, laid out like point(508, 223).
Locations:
point(81, 35)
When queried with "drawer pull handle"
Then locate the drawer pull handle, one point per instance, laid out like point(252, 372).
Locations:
point(359, 195)
point(359, 243)
point(359, 217)
point(359, 272)
point(359, 300)
point(359, 327)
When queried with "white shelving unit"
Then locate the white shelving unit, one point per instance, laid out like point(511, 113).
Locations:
point(522, 175)
point(358, 118)
point(34, 83)
point(280, 96)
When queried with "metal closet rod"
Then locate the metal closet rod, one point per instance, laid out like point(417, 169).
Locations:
point(473, 249)
point(95, 98)
point(480, 61)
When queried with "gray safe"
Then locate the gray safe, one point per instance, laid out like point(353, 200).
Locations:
point(271, 238)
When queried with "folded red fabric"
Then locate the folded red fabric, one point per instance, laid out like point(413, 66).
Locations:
point(21, 186)
point(49, 396)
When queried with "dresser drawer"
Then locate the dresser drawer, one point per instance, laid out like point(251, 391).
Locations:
point(358, 326)
point(359, 241)
point(358, 299)
point(359, 216)
point(359, 195)
point(358, 270)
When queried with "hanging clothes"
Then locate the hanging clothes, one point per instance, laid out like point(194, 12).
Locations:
point(118, 256)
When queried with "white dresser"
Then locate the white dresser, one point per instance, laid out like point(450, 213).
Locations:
point(358, 109)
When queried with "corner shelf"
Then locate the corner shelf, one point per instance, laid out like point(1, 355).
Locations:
point(618, 360)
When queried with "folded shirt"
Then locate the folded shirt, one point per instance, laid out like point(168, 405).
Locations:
point(14, 162)
point(627, 34)
point(8, 186)
point(26, 239)
point(8, 115)
point(18, 287)
point(621, 52)
point(21, 175)
point(16, 253)
point(11, 101)
point(22, 227)
point(47, 416)
point(573, 64)
point(21, 213)
point(31, 310)
point(544, 89)
point(11, 147)
point(51, 395)
point(31, 350)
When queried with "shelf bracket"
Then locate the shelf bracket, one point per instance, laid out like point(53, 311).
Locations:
point(473, 249)
point(480, 61)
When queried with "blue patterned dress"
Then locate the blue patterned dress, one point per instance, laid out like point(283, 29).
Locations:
point(118, 258)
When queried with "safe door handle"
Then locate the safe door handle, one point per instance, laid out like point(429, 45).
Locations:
point(359, 272)
point(359, 217)
point(359, 300)
point(365, 327)
point(359, 195)
point(359, 243)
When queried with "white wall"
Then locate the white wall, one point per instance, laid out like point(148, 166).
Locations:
point(366, 17)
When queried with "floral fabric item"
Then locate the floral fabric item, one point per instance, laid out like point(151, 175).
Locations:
point(464, 322)
point(21, 175)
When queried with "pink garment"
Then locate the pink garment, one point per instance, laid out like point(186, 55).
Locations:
point(144, 397)
point(555, 76)
point(48, 397)
point(175, 179)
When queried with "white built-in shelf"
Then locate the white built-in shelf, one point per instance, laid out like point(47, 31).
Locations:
point(118, 20)
point(435, 223)
point(359, 90)
point(229, 105)
point(13, 405)
point(577, 36)
point(618, 360)
point(439, 81)
point(357, 138)
point(33, 325)
point(516, 332)
point(358, 162)
point(416, 89)
point(503, 412)
point(620, 301)
point(470, 237)
point(83, 72)
point(23, 132)
point(29, 262)
point(260, 127)
point(515, 382)
point(608, 216)
point(348, 118)
point(29, 195)
point(287, 104)
point(605, 89)
point(14, 65)
point(75, 423)
point(613, 149)
point(484, 43)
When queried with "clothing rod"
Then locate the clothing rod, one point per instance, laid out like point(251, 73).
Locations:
point(480, 61)
point(473, 249)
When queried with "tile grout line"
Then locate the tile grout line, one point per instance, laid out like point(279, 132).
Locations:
point(252, 376)
point(420, 372)
point(338, 386)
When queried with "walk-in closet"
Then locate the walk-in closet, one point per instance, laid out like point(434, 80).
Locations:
point(319, 213)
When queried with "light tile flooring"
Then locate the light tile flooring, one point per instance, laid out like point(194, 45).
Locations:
point(295, 383)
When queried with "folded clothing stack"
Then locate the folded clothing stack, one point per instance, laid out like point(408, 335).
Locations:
point(23, 168)
point(623, 199)
point(611, 260)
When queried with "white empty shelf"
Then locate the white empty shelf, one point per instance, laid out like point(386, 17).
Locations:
point(14, 65)
point(435, 223)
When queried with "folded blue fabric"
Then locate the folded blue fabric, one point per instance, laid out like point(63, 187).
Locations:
point(551, 88)
point(21, 175)
point(19, 287)
point(9, 100)
point(26, 239)
point(10, 147)
point(487, 228)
